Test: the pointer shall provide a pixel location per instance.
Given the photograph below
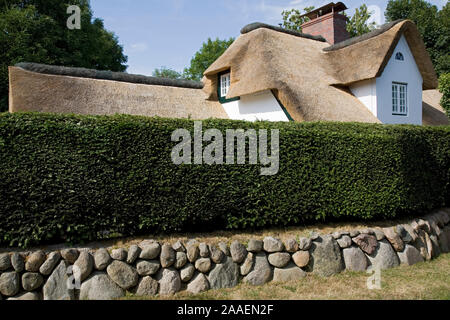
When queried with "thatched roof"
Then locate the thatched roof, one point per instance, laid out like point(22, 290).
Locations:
point(257, 25)
point(432, 112)
point(366, 57)
point(33, 91)
point(310, 79)
point(108, 75)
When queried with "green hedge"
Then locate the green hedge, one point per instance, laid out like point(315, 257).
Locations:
point(79, 178)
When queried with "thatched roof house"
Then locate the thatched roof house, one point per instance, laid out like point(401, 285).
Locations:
point(268, 73)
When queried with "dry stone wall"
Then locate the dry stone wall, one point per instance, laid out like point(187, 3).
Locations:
point(152, 268)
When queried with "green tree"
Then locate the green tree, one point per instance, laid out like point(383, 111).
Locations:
point(444, 88)
point(358, 24)
point(433, 25)
point(165, 72)
point(208, 53)
point(293, 20)
point(36, 31)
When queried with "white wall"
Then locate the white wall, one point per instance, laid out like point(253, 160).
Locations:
point(259, 106)
point(376, 94)
point(366, 92)
point(405, 72)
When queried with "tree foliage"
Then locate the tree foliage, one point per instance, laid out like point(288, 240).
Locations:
point(208, 53)
point(165, 72)
point(293, 20)
point(433, 25)
point(359, 23)
point(36, 31)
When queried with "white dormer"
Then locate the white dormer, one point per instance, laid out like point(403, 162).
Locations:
point(396, 96)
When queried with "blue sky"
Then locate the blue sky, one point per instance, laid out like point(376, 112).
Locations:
point(157, 33)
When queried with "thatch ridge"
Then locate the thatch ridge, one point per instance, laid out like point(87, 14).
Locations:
point(108, 75)
point(257, 25)
point(385, 27)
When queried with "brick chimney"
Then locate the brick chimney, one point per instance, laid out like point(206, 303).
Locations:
point(328, 23)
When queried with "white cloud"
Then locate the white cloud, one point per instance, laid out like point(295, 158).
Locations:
point(138, 47)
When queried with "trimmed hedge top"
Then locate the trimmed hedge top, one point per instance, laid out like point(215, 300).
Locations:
point(82, 178)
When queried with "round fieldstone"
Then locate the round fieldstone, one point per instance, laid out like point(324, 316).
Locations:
point(56, 287)
point(279, 259)
point(238, 251)
point(291, 245)
point(325, 257)
point(368, 243)
point(394, 239)
point(150, 251)
point(304, 243)
point(70, 255)
point(410, 255)
point(181, 260)
point(217, 255)
point(203, 249)
point(384, 256)
point(301, 258)
point(34, 261)
point(147, 287)
point(336, 235)
point(170, 282)
point(119, 254)
point(9, 283)
point(289, 273)
point(187, 272)
point(198, 284)
point(26, 296)
point(17, 262)
point(32, 281)
point(224, 275)
point(167, 256)
point(192, 250)
point(100, 287)
point(379, 234)
point(261, 273)
point(178, 246)
point(273, 245)
point(224, 248)
point(84, 265)
point(404, 234)
point(354, 259)
point(354, 233)
point(203, 265)
point(344, 242)
point(147, 267)
point(50, 264)
point(5, 261)
point(255, 246)
point(102, 259)
point(247, 265)
point(133, 253)
point(122, 274)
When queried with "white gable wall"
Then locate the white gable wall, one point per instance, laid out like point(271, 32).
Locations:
point(366, 92)
point(259, 106)
point(376, 94)
point(403, 72)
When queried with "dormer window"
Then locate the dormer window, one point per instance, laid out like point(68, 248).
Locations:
point(224, 84)
point(399, 56)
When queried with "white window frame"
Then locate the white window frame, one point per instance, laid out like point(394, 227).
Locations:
point(399, 99)
point(225, 80)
